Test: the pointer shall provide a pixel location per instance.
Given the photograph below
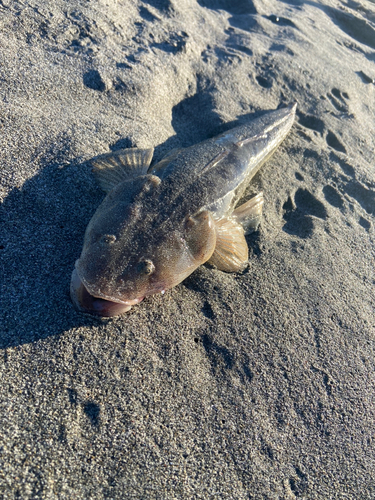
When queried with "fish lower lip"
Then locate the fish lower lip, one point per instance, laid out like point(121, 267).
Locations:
point(97, 306)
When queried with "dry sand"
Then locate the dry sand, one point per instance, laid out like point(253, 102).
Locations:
point(252, 386)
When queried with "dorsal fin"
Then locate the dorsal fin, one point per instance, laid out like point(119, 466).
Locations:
point(112, 168)
point(231, 253)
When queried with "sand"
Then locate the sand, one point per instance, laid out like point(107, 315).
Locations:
point(258, 385)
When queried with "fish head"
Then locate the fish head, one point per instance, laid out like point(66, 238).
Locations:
point(132, 249)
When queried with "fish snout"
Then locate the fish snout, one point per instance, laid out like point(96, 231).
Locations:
point(97, 306)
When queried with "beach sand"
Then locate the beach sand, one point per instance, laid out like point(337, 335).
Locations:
point(258, 385)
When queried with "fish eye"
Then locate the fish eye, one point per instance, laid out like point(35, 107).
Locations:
point(146, 266)
point(108, 238)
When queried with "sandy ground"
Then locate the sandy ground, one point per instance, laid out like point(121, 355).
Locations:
point(258, 385)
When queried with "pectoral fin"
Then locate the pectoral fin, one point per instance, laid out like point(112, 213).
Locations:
point(231, 253)
point(200, 236)
point(250, 213)
point(112, 168)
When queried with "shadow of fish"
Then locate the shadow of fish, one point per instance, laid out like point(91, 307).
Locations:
point(158, 224)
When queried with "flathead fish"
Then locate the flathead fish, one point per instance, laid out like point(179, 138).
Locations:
point(158, 223)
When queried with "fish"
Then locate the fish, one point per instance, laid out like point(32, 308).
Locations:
point(159, 223)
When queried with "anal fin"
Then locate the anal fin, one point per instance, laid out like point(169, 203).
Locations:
point(231, 253)
point(250, 213)
point(112, 168)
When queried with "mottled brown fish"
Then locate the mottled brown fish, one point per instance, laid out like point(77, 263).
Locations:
point(158, 224)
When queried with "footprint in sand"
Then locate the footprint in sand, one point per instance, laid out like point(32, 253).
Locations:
point(312, 122)
point(93, 80)
point(338, 100)
point(300, 211)
point(334, 142)
point(364, 196)
point(333, 197)
point(264, 82)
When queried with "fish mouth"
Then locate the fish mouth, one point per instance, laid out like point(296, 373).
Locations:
point(97, 306)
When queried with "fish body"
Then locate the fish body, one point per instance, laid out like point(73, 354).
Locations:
point(158, 224)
